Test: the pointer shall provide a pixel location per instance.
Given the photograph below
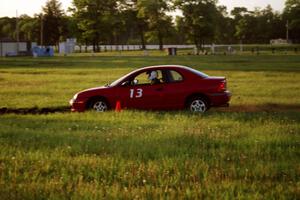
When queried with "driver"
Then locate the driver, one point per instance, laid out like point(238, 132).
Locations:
point(152, 77)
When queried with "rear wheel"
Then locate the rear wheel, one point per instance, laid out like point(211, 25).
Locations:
point(98, 105)
point(198, 105)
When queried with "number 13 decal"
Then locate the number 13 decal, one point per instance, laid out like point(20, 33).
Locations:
point(136, 94)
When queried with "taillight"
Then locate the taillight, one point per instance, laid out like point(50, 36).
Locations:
point(222, 86)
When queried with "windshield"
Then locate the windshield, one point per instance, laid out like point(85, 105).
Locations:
point(116, 82)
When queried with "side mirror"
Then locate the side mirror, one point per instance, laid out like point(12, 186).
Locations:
point(135, 82)
point(125, 83)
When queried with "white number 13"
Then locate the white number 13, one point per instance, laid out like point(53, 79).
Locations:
point(137, 94)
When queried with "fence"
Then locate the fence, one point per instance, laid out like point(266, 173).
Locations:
point(130, 47)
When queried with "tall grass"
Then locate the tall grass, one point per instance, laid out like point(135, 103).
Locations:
point(150, 155)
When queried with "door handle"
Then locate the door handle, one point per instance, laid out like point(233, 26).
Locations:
point(159, 89)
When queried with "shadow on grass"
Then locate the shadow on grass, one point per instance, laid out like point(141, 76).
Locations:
point(151, 140)
point(268, 107)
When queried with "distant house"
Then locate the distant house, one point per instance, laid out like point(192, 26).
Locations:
point(10, 47)
point(280, 41)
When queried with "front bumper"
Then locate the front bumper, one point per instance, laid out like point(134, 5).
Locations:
point(77, 106)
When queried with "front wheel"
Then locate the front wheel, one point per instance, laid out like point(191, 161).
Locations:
point(198, 105)
point(99, 105)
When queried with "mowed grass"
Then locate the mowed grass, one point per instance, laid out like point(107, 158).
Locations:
point(251, 152)
point(45, 82)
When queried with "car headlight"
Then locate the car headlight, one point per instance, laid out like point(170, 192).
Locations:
point(73, 99)
point(75, 96)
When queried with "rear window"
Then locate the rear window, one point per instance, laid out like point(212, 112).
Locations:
point(203, 75)
point(175, 76)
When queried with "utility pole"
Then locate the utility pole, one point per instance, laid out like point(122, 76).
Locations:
point(42, 30)
point(287, 31)
point(17, 32)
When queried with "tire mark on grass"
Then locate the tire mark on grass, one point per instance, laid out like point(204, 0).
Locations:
point(248, 108)
point(34, 110)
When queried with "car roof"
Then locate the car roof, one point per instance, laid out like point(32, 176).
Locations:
point(188, 69)
point(164, 67)
point(157, 67)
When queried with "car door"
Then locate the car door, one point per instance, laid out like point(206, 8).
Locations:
point(146, 96)
point(174, 90)
point(141, 94)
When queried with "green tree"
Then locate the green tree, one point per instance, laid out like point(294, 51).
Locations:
point(292, 16)
point(154, 11)
point(52, 20)
point(135, 25)
point(7, 28)
point(200, 19)
point(258, 26)
point(224, 27)
point(238, 13)
point(98, 21)
point(180, 27)
point(29, 28)
point(278, 26)
point(240, 22)
point(269, 25)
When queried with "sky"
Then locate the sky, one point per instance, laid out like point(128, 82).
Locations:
point(30, 7)
point(277, 5)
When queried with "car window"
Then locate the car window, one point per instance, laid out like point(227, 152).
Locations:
point(143, 78)
point(203, 75)
point(175, 76)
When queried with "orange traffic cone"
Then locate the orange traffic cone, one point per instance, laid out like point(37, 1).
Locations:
point(118, 106)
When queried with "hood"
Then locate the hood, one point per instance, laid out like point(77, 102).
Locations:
point(91, 91)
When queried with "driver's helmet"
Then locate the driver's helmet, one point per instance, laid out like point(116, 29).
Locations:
point(152, 76)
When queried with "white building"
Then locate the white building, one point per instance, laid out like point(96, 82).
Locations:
point(12, 48)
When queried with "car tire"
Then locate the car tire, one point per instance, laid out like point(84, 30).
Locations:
point(198, 105)
point(98, 105)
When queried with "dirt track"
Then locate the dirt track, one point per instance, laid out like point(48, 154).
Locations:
point(232, 108)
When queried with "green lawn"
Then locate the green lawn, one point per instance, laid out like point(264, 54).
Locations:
point(51, 82)
point(250, 150)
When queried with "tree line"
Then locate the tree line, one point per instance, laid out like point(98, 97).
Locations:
point(97, 22)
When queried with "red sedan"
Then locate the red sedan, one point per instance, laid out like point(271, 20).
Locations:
point(157, 88)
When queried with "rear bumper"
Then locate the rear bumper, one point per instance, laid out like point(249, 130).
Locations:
point(220, 99)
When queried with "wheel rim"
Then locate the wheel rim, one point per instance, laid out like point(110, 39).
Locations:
point(198, 106)
point(100, 106)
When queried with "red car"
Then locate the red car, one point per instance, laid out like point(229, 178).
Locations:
point(157, 88)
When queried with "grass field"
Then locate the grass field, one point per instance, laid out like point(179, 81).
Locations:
point(250, 150)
